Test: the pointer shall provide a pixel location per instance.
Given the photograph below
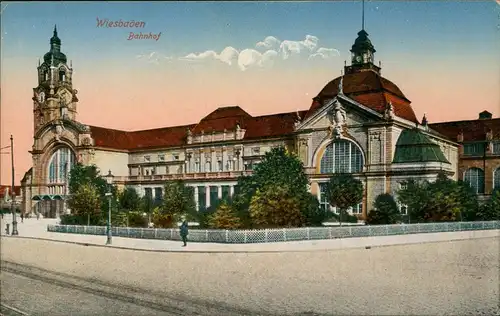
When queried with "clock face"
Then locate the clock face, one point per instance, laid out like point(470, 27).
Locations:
point(65, 96)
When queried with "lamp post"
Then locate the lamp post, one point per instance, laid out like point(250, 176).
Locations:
point(12, 206)
point(109, 180)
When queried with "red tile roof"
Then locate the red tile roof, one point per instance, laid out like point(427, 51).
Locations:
point(369, 89)
point(223, 118)
point(5, 188)
point(473, 130)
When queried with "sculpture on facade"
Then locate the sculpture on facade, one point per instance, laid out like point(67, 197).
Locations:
point(389, 111)
point(338, 117)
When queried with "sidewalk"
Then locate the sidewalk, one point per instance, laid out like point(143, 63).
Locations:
point(33, 228)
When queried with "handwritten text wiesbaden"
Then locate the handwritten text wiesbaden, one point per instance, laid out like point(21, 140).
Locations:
point(120, 23)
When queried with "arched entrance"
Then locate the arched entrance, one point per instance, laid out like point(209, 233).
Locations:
point(53, 202)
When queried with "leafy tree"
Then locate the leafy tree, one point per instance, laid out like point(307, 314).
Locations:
point(344, 191)
point(313, 213)
point(81, 174)
point(386, 211)
point(129, 199)
point(85, 201)
point(178, 200)
point(276, 206)
point(224, 218)
point(490, 211)
point(441, 200)
point(415, 196)
point(278, 168)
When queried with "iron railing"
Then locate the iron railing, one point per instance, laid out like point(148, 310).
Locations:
point(279, 234)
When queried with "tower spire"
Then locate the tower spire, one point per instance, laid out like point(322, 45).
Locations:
point(55, 28)
point(363, 15)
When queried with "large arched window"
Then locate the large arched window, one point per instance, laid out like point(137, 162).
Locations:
point(342, 156)
point(496, 178)
point(60, 164)
point(475, 178)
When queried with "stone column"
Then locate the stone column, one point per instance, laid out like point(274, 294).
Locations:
point(196, 198)
point(231, 190)
point(207, 196)
point(219, 191)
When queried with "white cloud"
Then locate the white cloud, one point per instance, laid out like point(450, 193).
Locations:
point(265, 54)
point(325, 53)
point(268, 43)
point(154, 58)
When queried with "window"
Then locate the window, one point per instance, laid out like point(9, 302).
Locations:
point(475, 178)
point(325, 204)
point(161, 157)
point(248, 165)
point(147, 172)
point(341, 156)
point(208, 167)
point(496, 148)
point(60, 164)
point(214, 194)
point(202, 198)
point(46, 75)
point(229, 164)
point(62, 75)
point(176, 157)
point(219, 165)
point(496, 179)
point(158, 194)
point(474, 149)
point(256, 150)
point(226, 192)
point(148, 192)
point(196, 166)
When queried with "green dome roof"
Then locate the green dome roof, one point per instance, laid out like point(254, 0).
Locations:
point(414, 146)
point(55, 53)
point(362, 43)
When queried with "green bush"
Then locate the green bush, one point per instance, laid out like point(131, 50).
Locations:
point(386, 211)
point(346, 217)
point(72, 219)
point(137, 219)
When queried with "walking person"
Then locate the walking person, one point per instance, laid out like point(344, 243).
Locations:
point(22, 217)
point(184, 232)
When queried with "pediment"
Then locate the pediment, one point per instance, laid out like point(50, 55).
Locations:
point(354, 115)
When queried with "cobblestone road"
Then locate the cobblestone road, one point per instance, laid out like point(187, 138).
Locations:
point(446, 278)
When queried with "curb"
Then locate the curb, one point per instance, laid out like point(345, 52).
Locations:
point(247, 251)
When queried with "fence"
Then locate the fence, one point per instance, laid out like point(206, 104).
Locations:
point(277, 235)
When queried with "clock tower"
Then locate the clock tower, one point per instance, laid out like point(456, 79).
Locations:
point(54, 98)
point(362, 51)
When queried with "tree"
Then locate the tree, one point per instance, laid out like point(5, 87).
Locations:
point(490, 211)
point(81, 174)
point(313, 213)
point(85, 202)
point(441, 200)
point(178, 200)
point(276, 206)
point(415, 195)
point(386, 211)
point(129, 200)
point(278, 168)
point(224, 218)
point(344, 191)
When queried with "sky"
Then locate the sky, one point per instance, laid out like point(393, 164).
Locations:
point(266, 57)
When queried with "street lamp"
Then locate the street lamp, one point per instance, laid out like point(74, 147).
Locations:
point(109, 180)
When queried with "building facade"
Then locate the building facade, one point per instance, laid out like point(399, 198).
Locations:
point(359, 123)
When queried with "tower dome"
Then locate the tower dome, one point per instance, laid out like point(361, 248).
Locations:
point(55, 56)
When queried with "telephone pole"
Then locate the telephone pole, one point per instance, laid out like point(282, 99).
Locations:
point(13, 195)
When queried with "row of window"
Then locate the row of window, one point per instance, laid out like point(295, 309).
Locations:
point(176, 157)
point(475, 178)
point(480, 149)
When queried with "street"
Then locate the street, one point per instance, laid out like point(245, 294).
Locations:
point(447, 278)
